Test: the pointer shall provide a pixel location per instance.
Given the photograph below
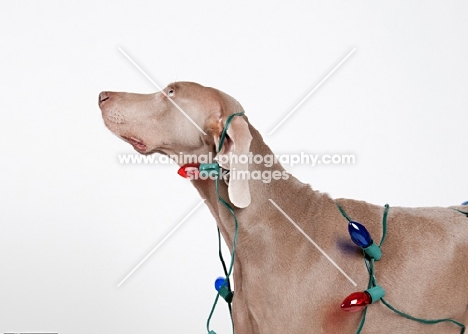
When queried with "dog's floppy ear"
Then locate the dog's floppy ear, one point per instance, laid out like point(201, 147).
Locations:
point(234, 157)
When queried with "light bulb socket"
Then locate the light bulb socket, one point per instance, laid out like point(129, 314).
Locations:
point(211, 169)
point(226, 293)
point(376, 293)
point(373, 251)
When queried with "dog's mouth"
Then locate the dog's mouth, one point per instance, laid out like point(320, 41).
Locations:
point(138, 144)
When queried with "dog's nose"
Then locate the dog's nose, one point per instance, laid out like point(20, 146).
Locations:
point(104, 96)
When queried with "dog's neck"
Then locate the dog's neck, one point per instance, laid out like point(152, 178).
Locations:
point(263, 235)
point(256, 217)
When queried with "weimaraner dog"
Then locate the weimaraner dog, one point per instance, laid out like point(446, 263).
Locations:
point(282, 283)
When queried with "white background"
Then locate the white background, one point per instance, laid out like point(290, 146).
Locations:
point(74, 221)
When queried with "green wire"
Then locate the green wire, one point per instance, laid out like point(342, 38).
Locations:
point(236, 229)
point(363, 320)
point(220, 254)
point(369, 262)
point(343, 213)
point(384, 224)
point(424, 321)
point(223, 134)
point(465, 213)
point(372, 281)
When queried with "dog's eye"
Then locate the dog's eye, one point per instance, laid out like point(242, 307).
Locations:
point(171, 93)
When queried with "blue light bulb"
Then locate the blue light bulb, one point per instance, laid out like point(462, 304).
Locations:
point(219, 283)
point(359, 234)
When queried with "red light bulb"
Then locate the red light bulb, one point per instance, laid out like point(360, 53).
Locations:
point(356, 301)
point(188, 170)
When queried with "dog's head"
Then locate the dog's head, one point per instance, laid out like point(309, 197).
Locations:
point(185, 118)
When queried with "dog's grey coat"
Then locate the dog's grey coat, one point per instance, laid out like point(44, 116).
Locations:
point(282, 283)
